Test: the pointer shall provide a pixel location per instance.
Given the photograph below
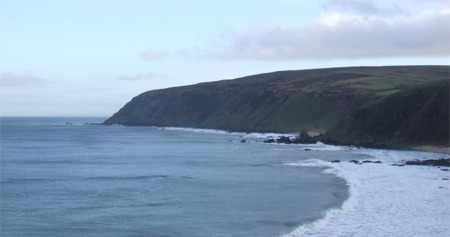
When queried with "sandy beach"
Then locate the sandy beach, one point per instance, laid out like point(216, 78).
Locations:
point(435, 149)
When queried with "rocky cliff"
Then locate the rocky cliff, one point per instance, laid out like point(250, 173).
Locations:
point(417, 116)
point(286, 101)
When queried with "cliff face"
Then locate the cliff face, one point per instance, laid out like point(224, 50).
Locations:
point(418, 116)
point(287, 101)
point(240, 109)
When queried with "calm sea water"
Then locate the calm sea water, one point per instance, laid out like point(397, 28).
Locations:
point(92, 180)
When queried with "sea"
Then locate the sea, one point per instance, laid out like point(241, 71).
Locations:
point(71, 176)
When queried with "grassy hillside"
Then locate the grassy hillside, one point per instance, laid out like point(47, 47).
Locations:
point(417, 116)
point(287, 101)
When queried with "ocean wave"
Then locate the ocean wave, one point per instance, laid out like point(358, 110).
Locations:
point(332, 214)
point(385, 200)
point(129, 177)
point(319, 146)
point(218, 131)
point(196, 130)
point(29, 180)
point(394, 156)
point(138, 177)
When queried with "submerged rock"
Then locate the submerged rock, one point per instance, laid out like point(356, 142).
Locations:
point(430, 162)
point(269, 141)
point(284, 139)
point(399, 165)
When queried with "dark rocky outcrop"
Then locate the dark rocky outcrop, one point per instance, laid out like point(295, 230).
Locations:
point(269, 140)
point(285, 140)
point(430, 162)
point(358, 162)
point(302, 138)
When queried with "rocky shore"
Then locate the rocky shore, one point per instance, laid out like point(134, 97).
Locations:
point(440, 163)
point(304, 137)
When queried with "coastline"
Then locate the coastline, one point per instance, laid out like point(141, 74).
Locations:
point(315, 136)
point(371, 184)
point(386, 200)
point(434, 149)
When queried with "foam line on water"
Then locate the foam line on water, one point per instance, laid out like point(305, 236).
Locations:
point(217, 131)
point(332, 214)
point(386, 200)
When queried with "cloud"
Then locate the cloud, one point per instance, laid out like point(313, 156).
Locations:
point(364, 7)
point(343, 36)
point(140, 77)
point(159, 54)
point(8, 79)
point(154, 54)
point(443, 3)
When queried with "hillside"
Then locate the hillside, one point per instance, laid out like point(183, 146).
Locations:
point(417, 116)
point(286, 101)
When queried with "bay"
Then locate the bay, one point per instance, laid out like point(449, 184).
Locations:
point(70, 177)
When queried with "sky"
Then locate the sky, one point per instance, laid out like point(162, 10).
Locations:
point(90, 57)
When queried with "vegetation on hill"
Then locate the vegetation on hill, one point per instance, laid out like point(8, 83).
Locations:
point(286, 101)
point(417, 116)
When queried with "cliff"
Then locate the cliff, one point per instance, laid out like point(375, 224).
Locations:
point(286, 101)
point(414, 117)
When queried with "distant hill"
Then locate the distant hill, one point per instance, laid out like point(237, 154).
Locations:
point(413, 117)
point(285, 101)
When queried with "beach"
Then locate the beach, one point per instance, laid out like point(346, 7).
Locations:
point(387, 200)
point(435, 149)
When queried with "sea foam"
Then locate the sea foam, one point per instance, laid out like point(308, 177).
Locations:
point(217, 131)
point(386, 200)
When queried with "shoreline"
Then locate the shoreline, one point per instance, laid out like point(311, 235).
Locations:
point(386, 200)
point(313, 135)
point(433, 149)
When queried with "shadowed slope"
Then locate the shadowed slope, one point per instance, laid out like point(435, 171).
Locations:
point(418, 116)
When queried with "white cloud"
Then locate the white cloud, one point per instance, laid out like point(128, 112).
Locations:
point(8, 79)
point(364, 7)
point(344, 36)
point(154, 54)
point(443, 3)
point(159, 54)
point(140, 77)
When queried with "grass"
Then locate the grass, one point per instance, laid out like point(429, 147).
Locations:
point(374, 86)
point(382, 85)
point(388, 92)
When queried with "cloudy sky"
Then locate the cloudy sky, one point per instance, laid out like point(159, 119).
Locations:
point(90, 57)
